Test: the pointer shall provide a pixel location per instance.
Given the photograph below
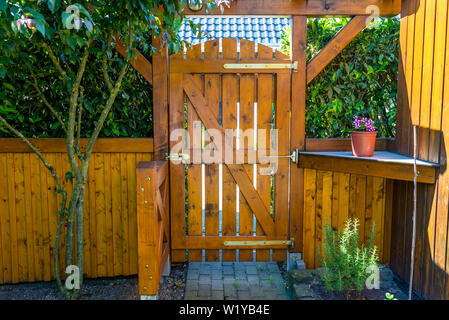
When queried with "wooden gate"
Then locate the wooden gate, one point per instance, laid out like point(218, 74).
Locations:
point(226, 205)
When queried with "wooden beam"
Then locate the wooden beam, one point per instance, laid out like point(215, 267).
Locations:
point(298, 129)
point(58, 145)
point(218, 66)
point(217, 242)
point(141, 64)
point(307, 7)
point(160, 100)
point(336, 45)
point(368, 167)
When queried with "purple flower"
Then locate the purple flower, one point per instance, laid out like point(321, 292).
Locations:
point(363, 124)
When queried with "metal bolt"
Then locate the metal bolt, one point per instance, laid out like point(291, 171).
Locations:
point(146, 266)
point(150, 277)
point(145, 201)
point(142, 189)
point(148, 178)
point(144, 288)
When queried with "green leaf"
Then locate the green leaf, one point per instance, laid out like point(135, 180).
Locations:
point(40, 27)
point(69, 175)
point(9, 86)
point(3, 5)
point(55, 125)
point(71, 41)
point(53, 5)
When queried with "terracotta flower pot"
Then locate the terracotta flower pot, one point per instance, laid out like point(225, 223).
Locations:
point(363, 143)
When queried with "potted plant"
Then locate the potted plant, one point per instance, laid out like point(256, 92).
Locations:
point(363, 137)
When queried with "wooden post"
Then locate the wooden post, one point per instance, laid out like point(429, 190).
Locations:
point(298, 49)
point(160, 100)
point(147, 222)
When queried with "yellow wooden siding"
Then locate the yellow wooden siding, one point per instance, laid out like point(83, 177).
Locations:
point(332, 197)
point(28, 218)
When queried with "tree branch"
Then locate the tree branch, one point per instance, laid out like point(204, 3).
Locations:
point(54, 59)
point(72, 111)
point(105, 112)
point(34, 149)
point(105, 66)
point(109, 103)
point(35, 84)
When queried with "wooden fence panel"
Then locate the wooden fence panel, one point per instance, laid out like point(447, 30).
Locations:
point(424, 102)
point(28, 206)
point(332, 197)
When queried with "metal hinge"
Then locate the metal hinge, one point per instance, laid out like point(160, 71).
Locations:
point(253, 243)
point(183, 157)
point(293, 66)
point(294, 156)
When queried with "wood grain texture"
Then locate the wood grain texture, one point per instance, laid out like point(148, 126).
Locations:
point(424, 97)
point(28, 218)
point(335, 46)
point(307, 8)
point(332, 197)
point(298, 125)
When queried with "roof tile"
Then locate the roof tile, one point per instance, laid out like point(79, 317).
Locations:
point(265, 30)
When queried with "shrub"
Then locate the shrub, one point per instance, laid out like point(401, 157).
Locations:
point(344, 260)
point(361, 80)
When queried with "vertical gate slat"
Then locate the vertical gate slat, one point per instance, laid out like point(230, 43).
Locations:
point(177, 172)
point(282, 119)
point(230, 99)
point(212, 91)
point(247, 99)
point(265, 100)
point(194, 175)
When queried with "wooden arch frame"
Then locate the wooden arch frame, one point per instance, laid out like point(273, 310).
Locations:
point(156, 71)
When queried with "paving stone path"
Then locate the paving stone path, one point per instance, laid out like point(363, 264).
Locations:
point(234, 281)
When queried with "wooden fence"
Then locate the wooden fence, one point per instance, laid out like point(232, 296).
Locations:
point(333, 197)
point(28, 206)
point(424, 102)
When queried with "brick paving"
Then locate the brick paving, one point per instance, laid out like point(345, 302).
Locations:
point(234, 281)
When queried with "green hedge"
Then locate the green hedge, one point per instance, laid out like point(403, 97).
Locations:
point(22, 106)
point(362, 80)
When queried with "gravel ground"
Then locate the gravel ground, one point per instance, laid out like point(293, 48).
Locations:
point(118, 288)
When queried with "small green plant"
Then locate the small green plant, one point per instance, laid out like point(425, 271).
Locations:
point(345, 260)
point(259, 267)
point(389, 296)
point(236, 284)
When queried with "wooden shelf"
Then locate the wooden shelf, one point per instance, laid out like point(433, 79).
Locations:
point(383, 164)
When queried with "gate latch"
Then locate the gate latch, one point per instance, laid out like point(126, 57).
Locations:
point(183, 157)
point(294, 156)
